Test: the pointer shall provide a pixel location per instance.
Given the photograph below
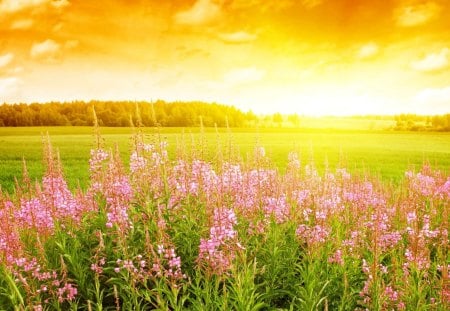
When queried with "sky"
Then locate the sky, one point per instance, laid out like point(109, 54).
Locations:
point(311, 57)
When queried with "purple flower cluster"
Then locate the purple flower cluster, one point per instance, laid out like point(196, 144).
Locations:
point(342, 221)
point(47, 284)
point(218, 251)
point(164, 264)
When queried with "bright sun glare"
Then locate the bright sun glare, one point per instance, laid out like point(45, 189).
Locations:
point(309, 57)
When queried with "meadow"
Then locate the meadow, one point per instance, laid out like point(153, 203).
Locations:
point(219, 220)
point(384, 153)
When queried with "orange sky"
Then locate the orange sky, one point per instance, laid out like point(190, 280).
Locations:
point(318, 57)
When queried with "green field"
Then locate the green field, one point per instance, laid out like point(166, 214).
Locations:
point(384, 153)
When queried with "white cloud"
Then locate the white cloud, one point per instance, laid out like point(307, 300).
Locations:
point(6, 59)
point(12, 6)
point(47, 50)
point(202, 12)
point(22, 24)
point(436, 100)
point(60, 3)
point(368, 50)
point(8, 87)
point(243, 75)
point(434, 94)
point(237, 37)
point(17, 70)
point(433, 62)
point(417, 14)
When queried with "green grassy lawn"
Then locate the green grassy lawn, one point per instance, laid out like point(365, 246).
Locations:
point(384, 153)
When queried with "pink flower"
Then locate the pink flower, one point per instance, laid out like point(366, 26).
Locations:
point(137, 163)
point(391, 294)
point(160, 249)
point(313, 235)
point(336, 258)
point(218, 252)
point(33, 214)
point(67, 292)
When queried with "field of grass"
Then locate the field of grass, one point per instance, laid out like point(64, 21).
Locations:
point(197, 227)
point(383, 153)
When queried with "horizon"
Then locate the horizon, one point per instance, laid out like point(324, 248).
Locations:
point(260, 115)
point(309, 57)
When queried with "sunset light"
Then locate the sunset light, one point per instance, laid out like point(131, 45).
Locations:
point(224, 155)
point(313, 57)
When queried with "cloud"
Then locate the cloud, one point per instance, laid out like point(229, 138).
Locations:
point(22, 24)
point(433, 62)
point(368, 50)
point(47, 50)
point(12, 6)
point(17, 70)
point(8, 88)
point(186, 53)
point(6, 59)
point(434, 94)
point(202, 12)
point(243, 75)
point(60, 3)
point(436, 98)
point(415, 15)
point(237, 37)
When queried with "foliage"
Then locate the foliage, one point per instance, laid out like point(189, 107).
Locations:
point(412, 122)
point(187, 233)
point(385, 153)
point(122, 114)
point(195, 113)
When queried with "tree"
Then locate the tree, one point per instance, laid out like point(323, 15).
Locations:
point(277, 118)
point(294, 119)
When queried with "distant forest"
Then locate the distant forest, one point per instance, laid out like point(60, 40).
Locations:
point(178, 114)
point(124, 113)
point(413, 122)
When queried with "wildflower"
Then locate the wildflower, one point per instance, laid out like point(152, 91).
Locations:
point(391, 294)
point(293, 163)
point(419, 258)
point(67, 292)
point(411, 217)
point(96, 268)
point(336, 258)
point(160, 249)
point(260, 152)
point(277, 207)
point(218, 251)
point(33, 214)
point(137, 163)
point(313, 235)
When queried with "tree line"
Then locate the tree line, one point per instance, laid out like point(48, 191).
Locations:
point(414, 122)
point(124, 113)
point(176, 114)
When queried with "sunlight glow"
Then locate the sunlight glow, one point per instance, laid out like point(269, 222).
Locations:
point(308, 57)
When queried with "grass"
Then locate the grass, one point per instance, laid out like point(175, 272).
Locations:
point(383, 153)
point(224, 233)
